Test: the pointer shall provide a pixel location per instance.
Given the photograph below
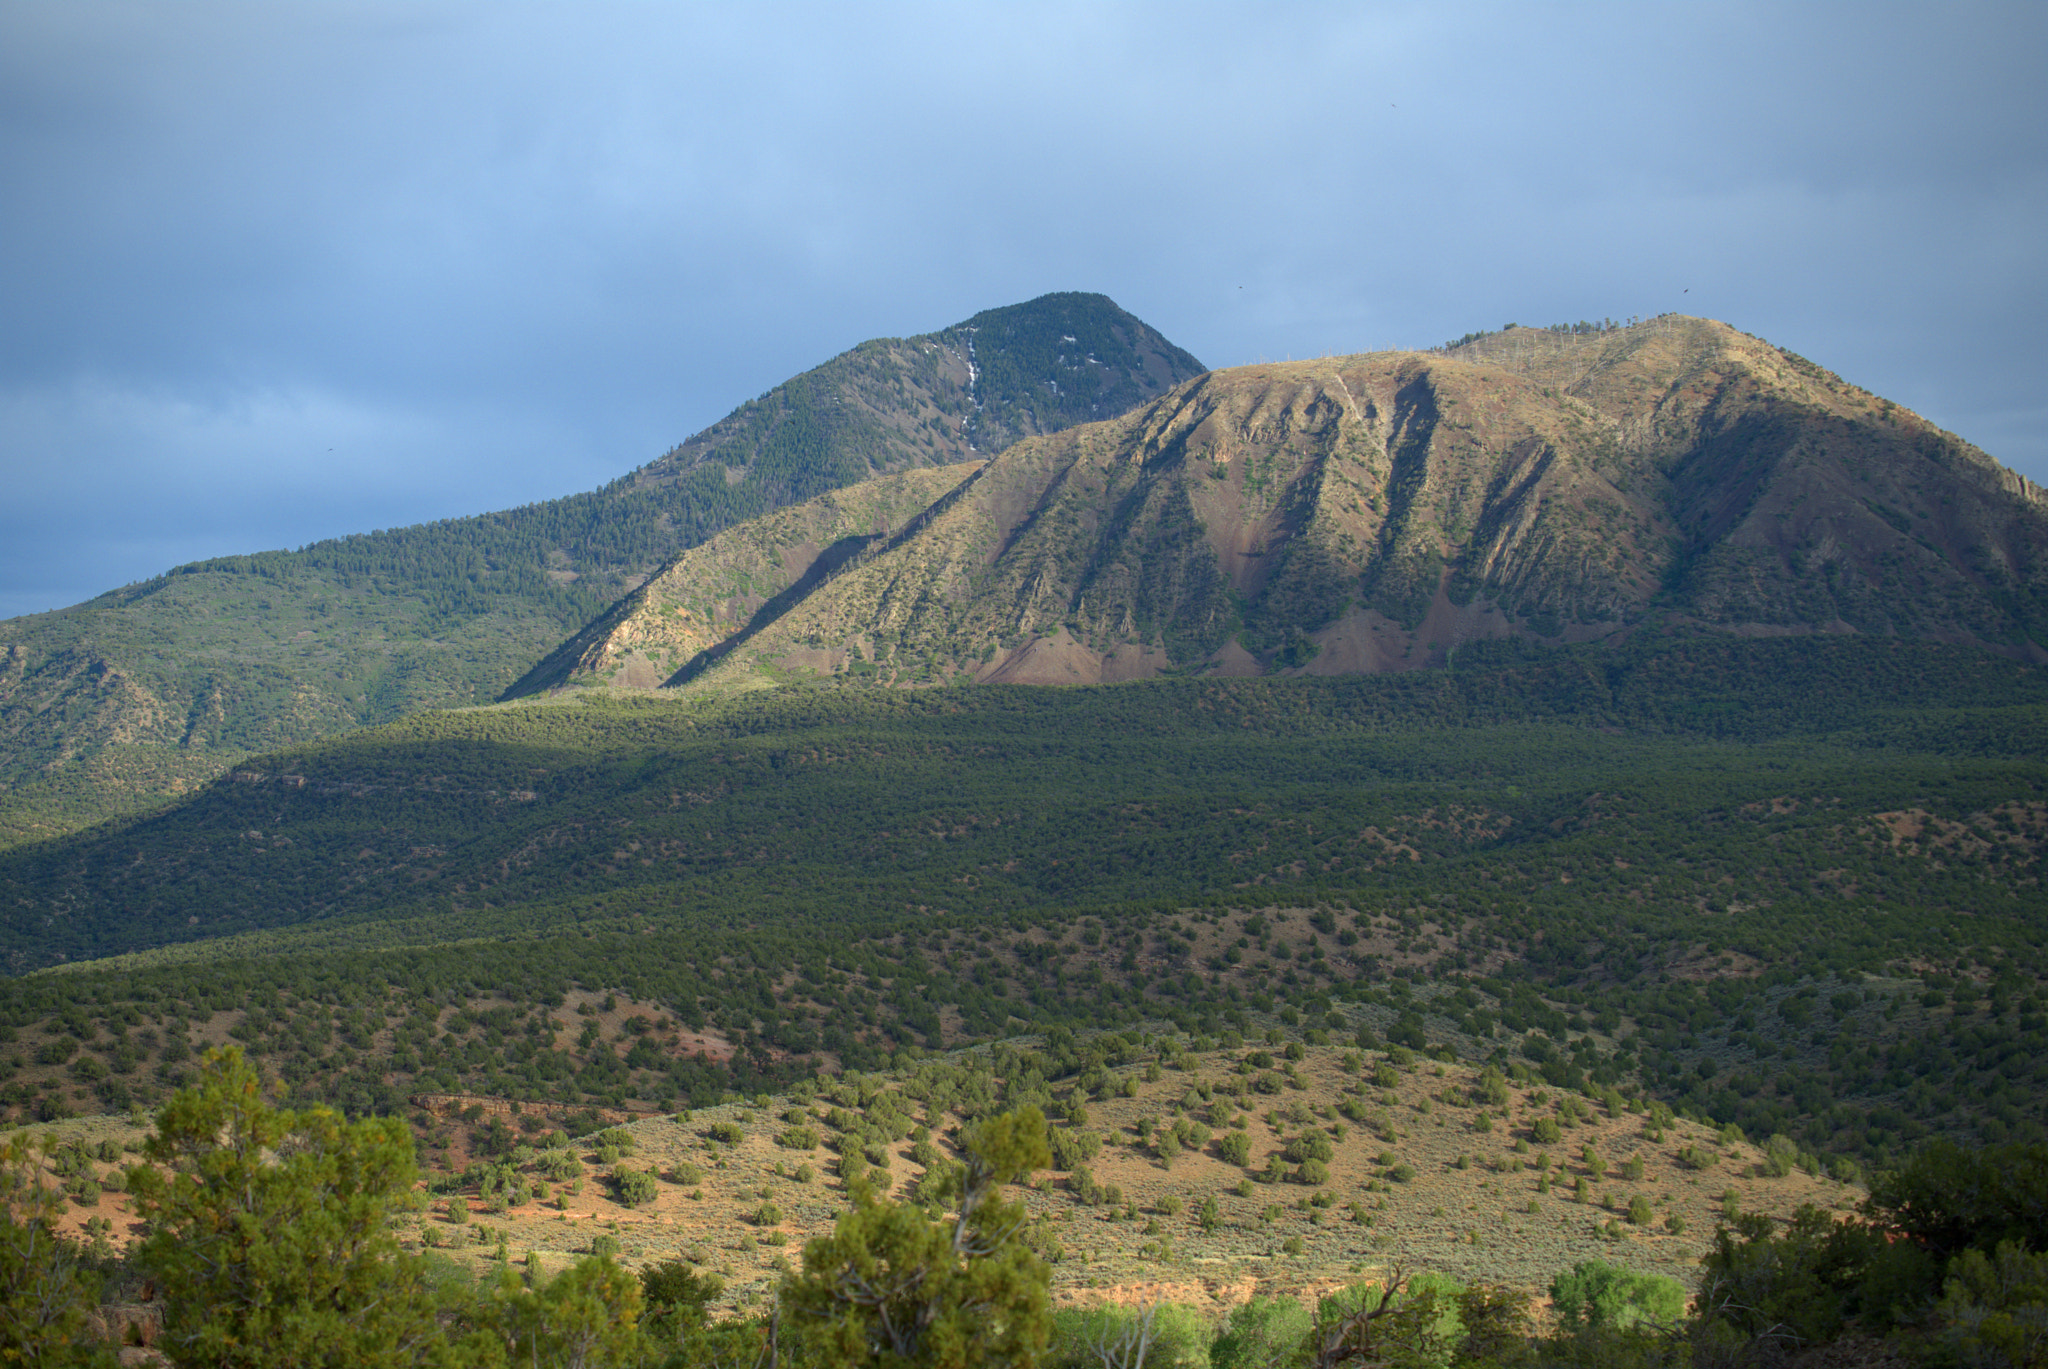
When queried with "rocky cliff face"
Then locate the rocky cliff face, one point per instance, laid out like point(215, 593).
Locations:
point(1374, 512)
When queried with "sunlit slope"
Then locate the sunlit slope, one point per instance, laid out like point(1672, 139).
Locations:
point(703, 601)
point(1377, 512)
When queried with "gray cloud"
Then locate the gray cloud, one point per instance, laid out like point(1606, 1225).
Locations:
point(489, 253)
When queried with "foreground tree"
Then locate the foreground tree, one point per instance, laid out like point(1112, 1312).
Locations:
point(1409, 1323)
point(896, 1287)
point(46, 1292)
point(584, 1318)
point(268, 1232)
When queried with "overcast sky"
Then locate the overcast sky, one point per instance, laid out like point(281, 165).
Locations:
point(284, 270)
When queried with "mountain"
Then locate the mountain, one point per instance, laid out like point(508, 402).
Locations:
point(151, 690)
point(974, 388)
point(1730, 788)
point(1377, 512)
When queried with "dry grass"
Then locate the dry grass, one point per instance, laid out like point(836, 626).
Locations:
point(1485, 1221)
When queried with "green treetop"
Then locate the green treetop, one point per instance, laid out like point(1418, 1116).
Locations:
point(268, 1234)
point(892, 1286)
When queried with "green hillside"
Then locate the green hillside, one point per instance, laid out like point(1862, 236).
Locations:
point(145, 691)
point(1783, 882)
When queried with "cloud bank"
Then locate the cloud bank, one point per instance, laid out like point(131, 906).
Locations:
point(283, 272)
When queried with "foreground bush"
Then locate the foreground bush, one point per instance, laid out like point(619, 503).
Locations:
point(268, 1234)
point(1155, 1336)
point(1595, 1295)
point(893, 1286)
point(1947, 1253)
point(46, 1288)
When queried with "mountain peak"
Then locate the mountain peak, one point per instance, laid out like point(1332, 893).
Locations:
point(958, 394)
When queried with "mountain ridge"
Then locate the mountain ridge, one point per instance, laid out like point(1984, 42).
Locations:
point(1377, 512)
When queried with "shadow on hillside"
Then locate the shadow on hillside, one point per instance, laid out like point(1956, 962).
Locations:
point(830, 562)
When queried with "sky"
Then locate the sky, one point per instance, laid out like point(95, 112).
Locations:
point(286, 270)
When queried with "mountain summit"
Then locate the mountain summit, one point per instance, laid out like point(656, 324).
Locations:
point(899, 403)
point(1373, 513)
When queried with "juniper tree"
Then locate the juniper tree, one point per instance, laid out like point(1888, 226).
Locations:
point(894, 1285)
point(268, 1231)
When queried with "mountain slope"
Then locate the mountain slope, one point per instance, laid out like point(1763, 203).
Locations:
point(705, 598)
point(147, 690)
point(1375, 512)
